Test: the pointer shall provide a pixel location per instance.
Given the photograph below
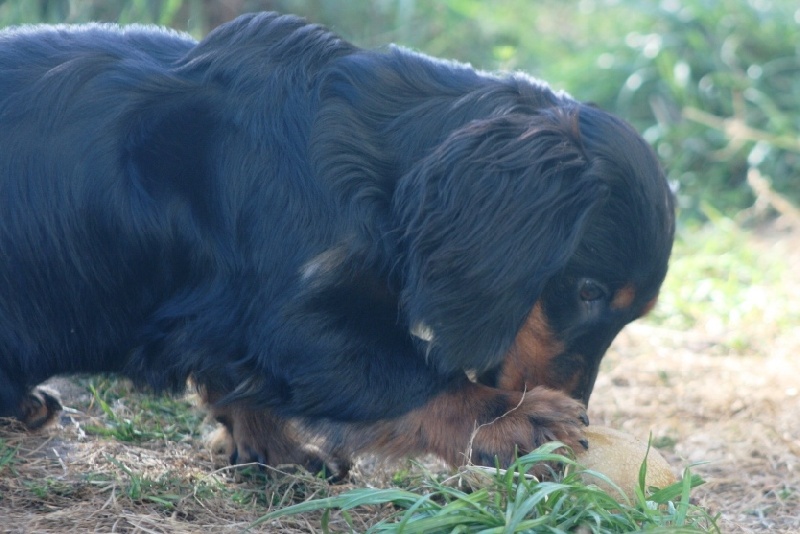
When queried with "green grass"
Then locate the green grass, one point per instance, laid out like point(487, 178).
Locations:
point(138, 417)
point(166, 490)
point(502, 501)
point(49, 488)
point(242, 487)
point(8, 455)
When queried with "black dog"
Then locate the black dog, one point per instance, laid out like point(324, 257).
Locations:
point(370, 250)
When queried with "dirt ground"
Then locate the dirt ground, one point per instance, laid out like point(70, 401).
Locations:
point(735, 415)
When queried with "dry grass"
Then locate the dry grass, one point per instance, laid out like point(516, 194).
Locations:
point(61, 480)
point(704, 394)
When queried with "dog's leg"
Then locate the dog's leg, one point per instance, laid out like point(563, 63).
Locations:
point(471, 423)
point(259, 436)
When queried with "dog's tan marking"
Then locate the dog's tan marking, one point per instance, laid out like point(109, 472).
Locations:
point(624, 297)
point(527, 362)
point(473, 423)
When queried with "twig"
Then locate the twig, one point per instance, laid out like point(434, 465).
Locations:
point(493, 421)
point(765, 193)
point(736, 129)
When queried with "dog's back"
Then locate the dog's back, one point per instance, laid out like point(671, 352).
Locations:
point(136, 169)
point(70, 257)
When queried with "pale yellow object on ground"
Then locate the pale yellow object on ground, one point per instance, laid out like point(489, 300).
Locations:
point(619, 456)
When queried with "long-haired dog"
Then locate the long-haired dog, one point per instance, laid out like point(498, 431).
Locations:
point(367, 250)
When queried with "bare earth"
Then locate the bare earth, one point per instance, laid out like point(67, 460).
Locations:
point(735, 414)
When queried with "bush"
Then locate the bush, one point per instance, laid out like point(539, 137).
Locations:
point(714, 86)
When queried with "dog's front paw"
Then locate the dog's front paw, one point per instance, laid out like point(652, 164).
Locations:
point(528, 421)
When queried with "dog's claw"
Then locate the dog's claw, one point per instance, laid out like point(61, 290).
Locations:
point(585, 419)
point(584, 443)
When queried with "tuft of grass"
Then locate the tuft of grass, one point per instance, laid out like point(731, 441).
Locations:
point(139, 417)
point(511, 500)
point(165, 491)
point(49, 488)
point(8, 455)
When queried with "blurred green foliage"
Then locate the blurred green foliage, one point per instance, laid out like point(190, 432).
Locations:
point(714, 85)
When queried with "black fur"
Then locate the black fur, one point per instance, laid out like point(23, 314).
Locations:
point(278, 214)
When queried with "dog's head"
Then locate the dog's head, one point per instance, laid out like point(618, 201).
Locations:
point(529, 241)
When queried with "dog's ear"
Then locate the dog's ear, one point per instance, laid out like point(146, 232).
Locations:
point(168, 151)
point(483, 222)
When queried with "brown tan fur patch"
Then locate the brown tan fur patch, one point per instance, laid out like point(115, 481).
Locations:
point(474, 423)
point(258, 435)
point(525, 366)
point(623, 298)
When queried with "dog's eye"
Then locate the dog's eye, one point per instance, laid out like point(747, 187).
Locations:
point(590, 291)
